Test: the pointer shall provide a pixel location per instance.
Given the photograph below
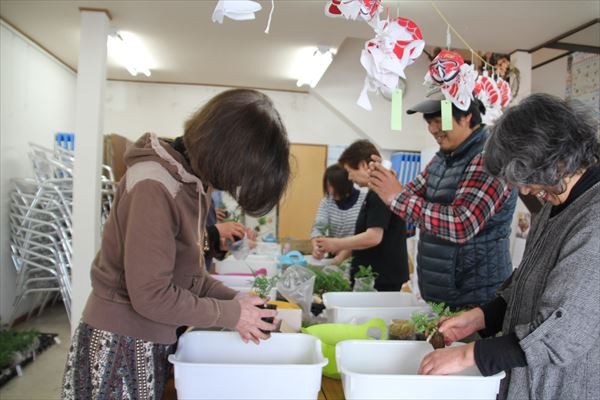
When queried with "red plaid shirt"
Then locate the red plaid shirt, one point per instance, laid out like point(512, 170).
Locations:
point(478, 197)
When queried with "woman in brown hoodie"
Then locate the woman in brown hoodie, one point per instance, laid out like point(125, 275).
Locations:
point(148, 278)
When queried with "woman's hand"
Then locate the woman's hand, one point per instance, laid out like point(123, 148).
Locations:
point(251, 234)
point(231, 230)
point(316, 253)
point(328, 245)
point(461, 326)
point(250, 322)
point(221, 213)
point(448, 361)
point(383, 181)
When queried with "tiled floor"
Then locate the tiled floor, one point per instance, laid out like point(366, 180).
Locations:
point(42, 379)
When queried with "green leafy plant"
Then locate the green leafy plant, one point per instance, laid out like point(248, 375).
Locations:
point(263, 285)
point(12, 342)
point(233, 216)
point(366, 272)
point(364, 279)
point(329, 281)
point(426, 323)
point(324, 229)
point(345, 265)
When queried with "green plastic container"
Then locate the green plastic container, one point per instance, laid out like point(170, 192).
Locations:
point(331, 334)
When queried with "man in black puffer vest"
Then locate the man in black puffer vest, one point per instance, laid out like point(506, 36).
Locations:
point(464, 214)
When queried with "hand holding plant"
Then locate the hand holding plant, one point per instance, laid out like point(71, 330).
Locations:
point(462, 325)
point(328, 245)
point(251, 325)
point(427, 324)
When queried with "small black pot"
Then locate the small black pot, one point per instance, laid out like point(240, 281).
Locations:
point(316, 308)
point(270, 319)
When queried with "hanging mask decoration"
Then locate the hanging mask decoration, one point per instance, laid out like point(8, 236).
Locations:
point(505, 92)
point(455, 78)
point(369, 10)
point(238, 10)
point(397, 44)
point(488, 93)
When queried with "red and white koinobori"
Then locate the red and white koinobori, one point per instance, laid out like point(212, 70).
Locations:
point(397, 44)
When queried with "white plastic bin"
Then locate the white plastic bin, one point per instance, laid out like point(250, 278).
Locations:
point(253, 262)
point(235, 281)
point(241, 283)
point(219, 365)
point(268, 249)
point(388, 370)
point(359, 307)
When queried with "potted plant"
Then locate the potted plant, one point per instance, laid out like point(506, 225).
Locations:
point(401, 329)
point(364, 279)
point(262, 286)
point(426, 324)
point(327, 280)
point(17, 348)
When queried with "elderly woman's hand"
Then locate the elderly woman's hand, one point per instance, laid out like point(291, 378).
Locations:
point(250, 322)
point(383, 181)
point(446, 361)
point(462, 325)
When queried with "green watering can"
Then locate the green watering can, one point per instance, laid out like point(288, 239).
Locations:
point(331, 334)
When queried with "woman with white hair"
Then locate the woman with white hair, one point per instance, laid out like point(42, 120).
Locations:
point(547, 313)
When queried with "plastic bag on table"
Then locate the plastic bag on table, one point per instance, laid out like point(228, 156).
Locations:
point(366, 284)
point(296, 286)
point(240, 249)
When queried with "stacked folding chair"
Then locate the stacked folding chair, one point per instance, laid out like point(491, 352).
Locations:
point(41, 227)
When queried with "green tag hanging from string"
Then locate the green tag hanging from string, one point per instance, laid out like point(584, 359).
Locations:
point(397, 110)
point(446, 115)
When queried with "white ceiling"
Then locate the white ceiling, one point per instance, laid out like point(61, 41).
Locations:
point(189, 48)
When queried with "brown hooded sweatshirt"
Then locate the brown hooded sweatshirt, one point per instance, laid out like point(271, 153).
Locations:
point(149, 276)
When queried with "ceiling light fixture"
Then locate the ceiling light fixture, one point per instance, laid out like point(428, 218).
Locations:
point(314, 67)
point(129, 51)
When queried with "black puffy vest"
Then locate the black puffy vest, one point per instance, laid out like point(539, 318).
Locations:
point(463, 274)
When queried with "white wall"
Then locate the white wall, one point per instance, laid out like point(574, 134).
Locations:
point(550, 78)
point(37, 100)
point(135, 108)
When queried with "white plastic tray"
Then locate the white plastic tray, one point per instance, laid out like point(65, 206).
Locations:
point(253, 262)
point(388, 370)
point(359, 307)
point(219, 365)
point(235, 281)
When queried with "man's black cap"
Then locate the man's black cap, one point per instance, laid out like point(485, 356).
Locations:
point(431, 105)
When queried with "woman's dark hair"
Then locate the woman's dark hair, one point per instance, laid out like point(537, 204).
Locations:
point(541, 141)
point(237, 143)
point(475, 109)
point(361, 150)
point(337, 177)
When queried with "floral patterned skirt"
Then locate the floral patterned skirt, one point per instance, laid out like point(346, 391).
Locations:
point(105, 365)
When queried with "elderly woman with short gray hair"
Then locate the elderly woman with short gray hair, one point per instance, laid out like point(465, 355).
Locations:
point(543, 329)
